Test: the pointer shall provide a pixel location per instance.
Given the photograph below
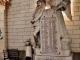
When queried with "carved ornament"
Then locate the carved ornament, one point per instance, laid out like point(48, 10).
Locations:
point(3, 2)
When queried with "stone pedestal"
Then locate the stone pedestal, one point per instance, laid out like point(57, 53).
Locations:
point(53, 58)
point(62, 53)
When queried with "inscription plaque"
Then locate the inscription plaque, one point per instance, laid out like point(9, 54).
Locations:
point(49, 35)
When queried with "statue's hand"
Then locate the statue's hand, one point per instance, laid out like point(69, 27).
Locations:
point(32, 21)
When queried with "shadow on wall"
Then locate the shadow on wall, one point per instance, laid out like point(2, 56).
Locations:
point(6, 21)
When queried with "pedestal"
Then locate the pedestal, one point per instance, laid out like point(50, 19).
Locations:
point(53, 57)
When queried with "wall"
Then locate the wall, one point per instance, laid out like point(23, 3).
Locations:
point(20, 28)
point(73, 27)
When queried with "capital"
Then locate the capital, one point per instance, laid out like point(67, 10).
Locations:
point(3, 2)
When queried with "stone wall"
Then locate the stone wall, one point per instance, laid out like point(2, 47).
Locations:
point(73, 27)
point(20, 28)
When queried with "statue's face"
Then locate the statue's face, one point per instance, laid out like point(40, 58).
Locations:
point(39, 3)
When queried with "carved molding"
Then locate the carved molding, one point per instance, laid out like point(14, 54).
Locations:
point(3, 2)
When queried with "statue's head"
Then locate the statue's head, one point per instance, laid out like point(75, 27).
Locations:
point(39, 3)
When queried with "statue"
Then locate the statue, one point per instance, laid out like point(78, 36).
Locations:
point(50, 33)
point(57, 6)
point(36, 20)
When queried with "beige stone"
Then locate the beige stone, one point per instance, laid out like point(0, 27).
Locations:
point(69, 23)
point(22, 26)
point(31, 10)
point(1, 16)
point(15, 5)
point(14, 12)
point(77, 41)
point(29, 29)
point(75, 18)
point(79, 0)
point(1, 24)
point(23, 33)
point(21, 41)
point(25, 18)
point(10, 10)
point(77, 13)
point(13, 33)
point(20, 23)
point(24, 3)
point(76, 8)
point(26, 7)
point(75, 0)
point(76, 31)
point(11, 44)
point(76, 22)
point(19, 15)
point(74, 45)
point(10, 16)
point(19, 44)
point(70, 32)
point(76, 4)
point(72, 27)
point(11, 23)
point(18, 37)
point(15, 1)
point(11, 41)
point(10, 37)
point(74, 36)
point(75, 50)
point(23, 11)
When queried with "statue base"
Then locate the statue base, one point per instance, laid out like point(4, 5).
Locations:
point(61, 53)
point(45, 57)
point(65, 55)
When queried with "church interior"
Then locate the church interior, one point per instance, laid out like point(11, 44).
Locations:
point(39, 29)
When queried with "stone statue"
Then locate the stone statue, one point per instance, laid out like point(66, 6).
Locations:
point(52, 39)
point(58, 6)
point(36, 20)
